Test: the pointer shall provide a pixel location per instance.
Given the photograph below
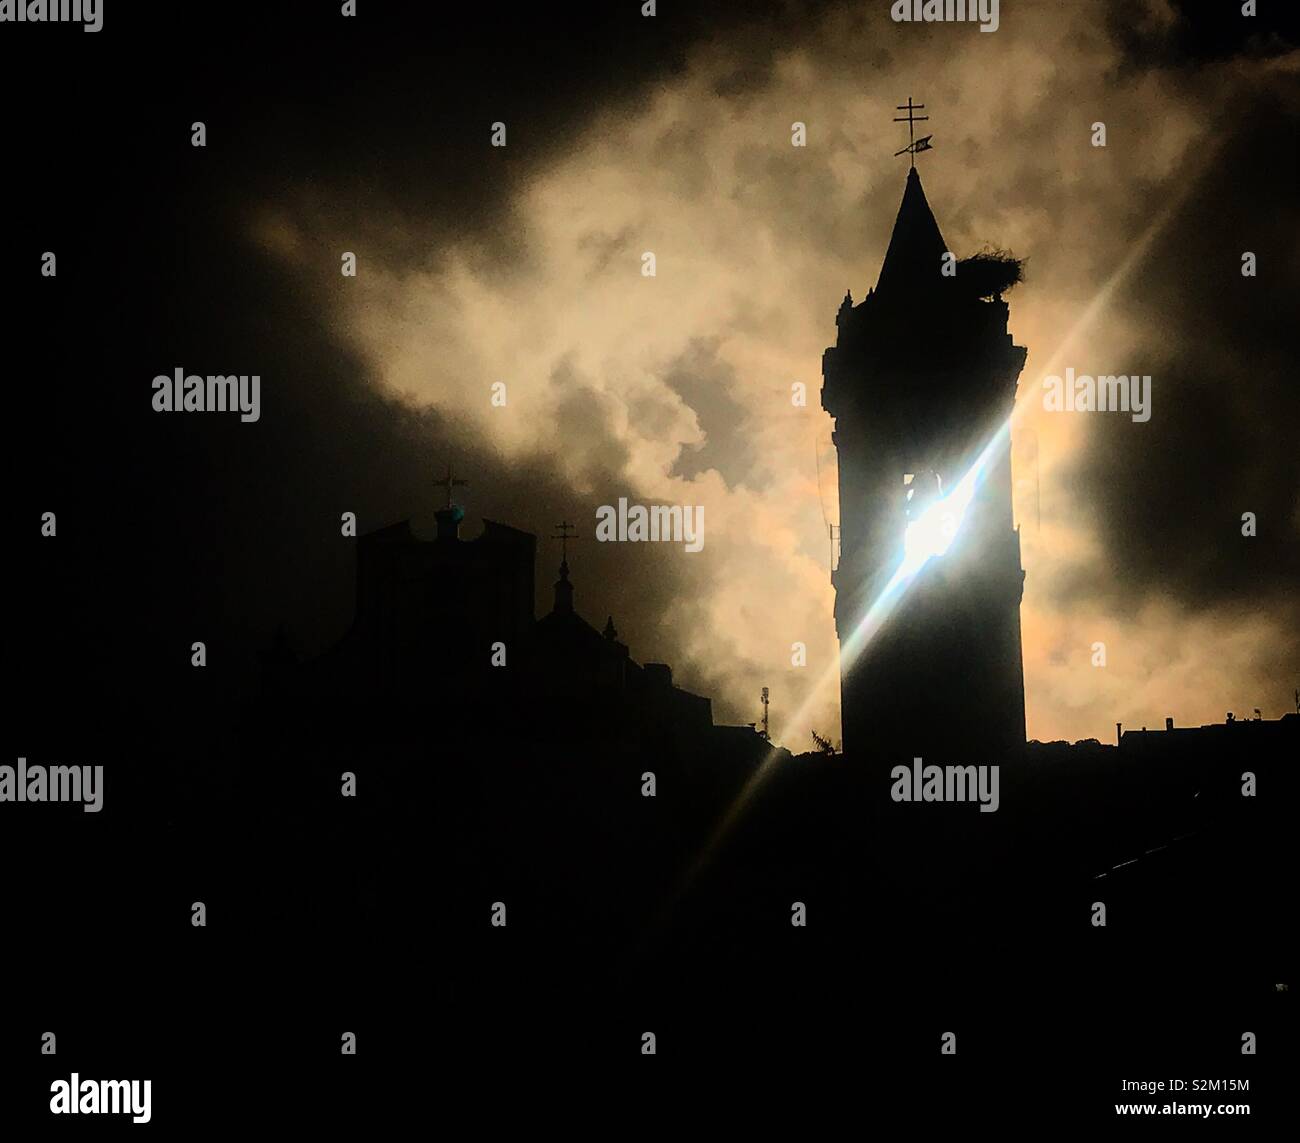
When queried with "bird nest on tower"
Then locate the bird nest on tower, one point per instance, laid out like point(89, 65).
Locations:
point(989, 274)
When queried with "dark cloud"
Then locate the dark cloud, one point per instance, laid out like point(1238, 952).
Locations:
point(605, 248)
point(584, 428)
point(1224, 436)
point(1200, 32)
point(707, 385)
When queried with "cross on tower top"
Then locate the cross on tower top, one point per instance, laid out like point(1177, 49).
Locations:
point(564, 536)
point(914, 145)
point(449, 483)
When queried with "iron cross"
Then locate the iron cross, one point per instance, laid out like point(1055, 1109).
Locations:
point(563, 535)
point(913, 144)
point(449, 483)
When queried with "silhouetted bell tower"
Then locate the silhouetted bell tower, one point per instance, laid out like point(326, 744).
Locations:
point(922, 375)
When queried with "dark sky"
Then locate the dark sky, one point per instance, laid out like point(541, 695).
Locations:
point(173, 529)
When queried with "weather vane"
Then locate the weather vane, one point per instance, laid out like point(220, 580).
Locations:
point(914, 145)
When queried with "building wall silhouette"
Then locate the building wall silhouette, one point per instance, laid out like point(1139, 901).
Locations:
point(445, 637)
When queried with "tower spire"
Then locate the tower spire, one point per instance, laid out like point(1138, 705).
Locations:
point(915, 247)
point(916, 377)
point(449, 518)
point(563, 588)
